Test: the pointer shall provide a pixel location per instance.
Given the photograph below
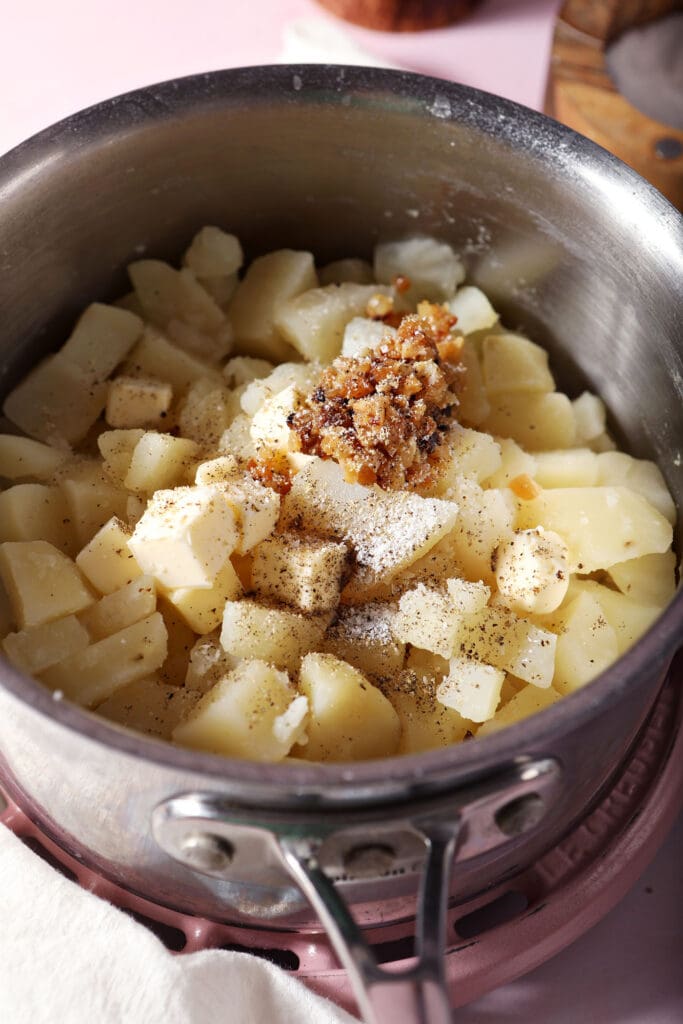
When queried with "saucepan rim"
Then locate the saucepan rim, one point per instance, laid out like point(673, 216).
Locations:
point(557, 146)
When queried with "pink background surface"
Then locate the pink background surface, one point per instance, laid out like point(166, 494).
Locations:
point(56, 58)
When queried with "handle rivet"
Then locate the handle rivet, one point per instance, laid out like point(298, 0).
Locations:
point(369, 859)
point(205, 852)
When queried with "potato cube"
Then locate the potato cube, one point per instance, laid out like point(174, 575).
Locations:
point(253, 712)
point(217, 471)
point(42, 583)
point(214, 253)
point(112, 613)
point(350, 719)
point(600, 525)
point(116, 448)
point(650, 579)
point(387, 531)
point(57, 402)
point(277, 635)
point(641, 476)
point(473, 310)
point(314, 321)
point(628, 618)
point(34, 649)
point(573, 467)
point(168, 294)
point(236, 440)
point(349, 269)
point(156, 357)
point(241, 370)
point(181, 640)
point(303, 572)
point(91, 501)
point(269, 282)
point(474, 405)
point(102, 338)
point(94, 674)
point(512, 363)
point(185, 536)
point(149, 706)
point(467, 597)
point(433, 268)
point(590, 417)
point(428, 668)
point(471, 688)
point(514, 462)
point(362, 334)
point(362, 635)
point(427, 619)
point(21, 458)
point(496, 636)
point(137, 402)
point(425, 723)
point(202, 609)
point(269, 429)
point(206, 413)
point(528, 701)
point(587, 644)
point(485, 519)
point(160, 461)
point(208, 664)
point(303, 375)
point(256, 509)
point(465, 453)
point(36, 512)
point(536, 421)
point(106, 560)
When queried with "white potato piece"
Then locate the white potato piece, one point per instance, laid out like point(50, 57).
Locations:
point(167, 294)
point(113, 612)
point(106, 561)
point(236, 440)
point(41, 582)
point(525, 650)
point(95, 673)
point(22, 458)
point(157, 357)
point(362, 334)
point(214, 253)
point(256, 509)
point(116, 448)
point(244, 369)
point(573, 467)
point(202, 608)
point(208, 664)
point(628, 618)
point(514, 462)
point(149, 706)
point(217, 471)
point(473, 310)
point(34, 649)
point(465, 453)
point(57, 402)
point(650, 579)
point(305, 573)
point(269, 429)
point(303, 376)
point(643, 477)
point(433, 268)
point(314, 321)
point(428, 620)
point(387, 530)
point(350, 719)
point(276, 635)
point(467, 597)
point(590, 417)
point(485, 519)
point(206, 413)
point(253, 712)
point(181, 640)
point(210, 346)
point(137, 402)
point(512, 363)
point(91, 500)
point(362, 635)
point(536, 421)
point(586, 644)
point(36, 512)
point(532, 571)
point(102, 338)
point(185, 536)
point(269, 282)
point(349, 269)
point(425, 723)
point(471, 688)
point(529, 701)
point(474, 406)
point(160, 461)
point(600, 525)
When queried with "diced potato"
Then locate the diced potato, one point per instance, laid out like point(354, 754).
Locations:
point(426, 667)
point(527, 702)
point(167, 294)
point(303, 375)
point(42, 583)
point(526, 650)
point(150, 706)
point(467, 597)
point(21, 458)
point(236, 440)
point(473, 310)
point(107, 561)
point(590, 417)
point(387, 530)
point(627, 617)
point(433, 268)
point(206, 413)
point(201, 608)
point(303, 572)
point(341, 271)
point(130, 603)
point(185, 536)
point(573, 467)
point(256, 509)
point(208, 664)
point(485, 519)
point(155, 356)
point(94, 674)
point(468, 453)
point(130, 302)
point(512, 363)
point(253, 712)
point(137, 402)
point(362, 334)
point(160, 461)
point(181, 640)
point(362, 635)
point(214, 253)
point(34, 649)
point(536, 421)
point(314, 321)
point(427, 619)
point(57, 402)
point(587, 644)
point(244, 369)
point(600, 525)
point(471, 688)
point(474, 405)
point(116, 448)
point(425, 723)
point(217, 471)
point(36, 512)
point(514, 462)
point(350, 719)
point(102, 338)
point(91, 500)
point(269, 282)
point(641, 476)
point(650, 579)
point(270, 430)
point(276, 635)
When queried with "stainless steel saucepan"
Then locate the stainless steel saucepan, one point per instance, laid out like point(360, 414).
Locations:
point(571, 245)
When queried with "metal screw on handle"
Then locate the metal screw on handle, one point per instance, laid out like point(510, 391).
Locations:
point(418, 995)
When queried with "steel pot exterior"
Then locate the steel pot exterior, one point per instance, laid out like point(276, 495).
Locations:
point(568, 242)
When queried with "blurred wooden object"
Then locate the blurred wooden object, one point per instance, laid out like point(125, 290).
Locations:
point(582, 94)
point(400, 15)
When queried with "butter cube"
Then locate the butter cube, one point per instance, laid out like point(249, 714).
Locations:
point(137, 402)
point(42, 583)
point(107, 561)
point(256, 509)
point(185, 536)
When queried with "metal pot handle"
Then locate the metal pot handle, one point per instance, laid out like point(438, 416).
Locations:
point(208, 834)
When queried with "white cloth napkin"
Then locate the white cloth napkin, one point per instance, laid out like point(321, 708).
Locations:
point(68, 957)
